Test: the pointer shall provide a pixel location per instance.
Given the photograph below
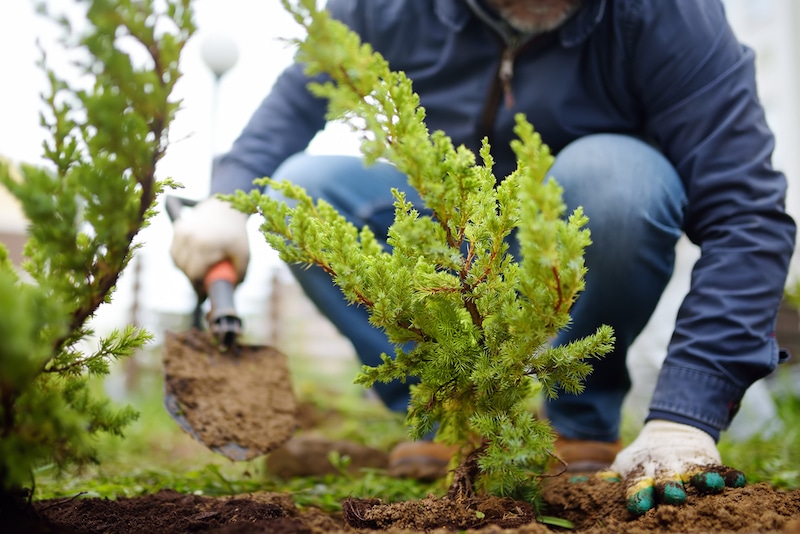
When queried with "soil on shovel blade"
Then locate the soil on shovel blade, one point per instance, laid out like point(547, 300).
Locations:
point(594, 506)
point(240, 404)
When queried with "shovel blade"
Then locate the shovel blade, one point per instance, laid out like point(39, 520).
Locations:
point(238, 403)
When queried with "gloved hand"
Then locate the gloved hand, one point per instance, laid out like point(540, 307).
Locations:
point(663, 458)
point(209, 233)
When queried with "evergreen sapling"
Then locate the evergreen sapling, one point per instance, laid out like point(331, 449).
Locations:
point(470, 321)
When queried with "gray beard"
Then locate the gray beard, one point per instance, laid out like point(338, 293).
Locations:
point(535, 16)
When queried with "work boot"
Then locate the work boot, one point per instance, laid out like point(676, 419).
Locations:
point(583, 455)
point(420, 460)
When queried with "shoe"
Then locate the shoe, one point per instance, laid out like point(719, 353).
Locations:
point(421, 460)
point(584, 455)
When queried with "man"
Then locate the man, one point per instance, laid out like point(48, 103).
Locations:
point(651, 109)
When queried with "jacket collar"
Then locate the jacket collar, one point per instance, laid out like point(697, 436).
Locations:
point(579, 27)
point(455, 13)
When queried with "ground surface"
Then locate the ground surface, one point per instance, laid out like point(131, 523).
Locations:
point(593, 506)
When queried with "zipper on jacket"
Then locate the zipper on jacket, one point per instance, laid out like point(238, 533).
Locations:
point(506, 75)
point(502, 87)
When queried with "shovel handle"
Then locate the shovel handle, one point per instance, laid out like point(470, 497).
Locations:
point(219, 283)
point(223, 270)
point(175, 204)
point(222, 319)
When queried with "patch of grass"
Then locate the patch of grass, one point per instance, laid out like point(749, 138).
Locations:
point(774, 458)
point(154, 454)
point(328, 492)
point(352, 413)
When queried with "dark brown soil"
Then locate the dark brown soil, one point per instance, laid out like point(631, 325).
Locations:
point(594, 506)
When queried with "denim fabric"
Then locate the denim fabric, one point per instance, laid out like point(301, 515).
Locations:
point(635, 202)
point(363, 196)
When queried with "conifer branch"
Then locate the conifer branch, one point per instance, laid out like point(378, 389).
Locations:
point(559, 294)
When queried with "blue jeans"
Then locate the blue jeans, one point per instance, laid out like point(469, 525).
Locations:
point(635, 203)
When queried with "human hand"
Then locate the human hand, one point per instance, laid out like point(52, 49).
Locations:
point(209, 233)
point(663, 458)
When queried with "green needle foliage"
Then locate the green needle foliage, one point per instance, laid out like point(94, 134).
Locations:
point(469, 320)
point(84, 210)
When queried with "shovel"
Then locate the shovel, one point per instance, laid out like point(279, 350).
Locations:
point(234, 398)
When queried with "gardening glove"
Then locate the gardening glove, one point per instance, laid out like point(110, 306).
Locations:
point(211, 232)
point(663, 458)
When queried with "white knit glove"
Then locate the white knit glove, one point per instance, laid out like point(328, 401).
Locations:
point(662, 458)
point(207, 234)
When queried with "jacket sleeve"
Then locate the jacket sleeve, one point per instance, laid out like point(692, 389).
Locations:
point(698, 94)
point(283, 124)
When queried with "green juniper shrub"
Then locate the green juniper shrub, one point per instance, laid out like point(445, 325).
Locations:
point(84, 209)
point(478, 320)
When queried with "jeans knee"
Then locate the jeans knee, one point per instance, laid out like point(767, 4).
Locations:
point(311, 172)
point(620, 181)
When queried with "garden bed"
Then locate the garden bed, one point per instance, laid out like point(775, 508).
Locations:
point(593, 506)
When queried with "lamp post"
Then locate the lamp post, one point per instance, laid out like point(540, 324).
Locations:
point(220, 55)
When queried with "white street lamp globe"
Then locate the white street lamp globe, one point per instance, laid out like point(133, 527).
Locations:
point(219, 53)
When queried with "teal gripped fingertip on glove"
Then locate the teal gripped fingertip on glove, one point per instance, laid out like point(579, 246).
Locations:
point(734, 478)
point(708, 482)
point(641, 497)
point(671, 492)
point(716, 479)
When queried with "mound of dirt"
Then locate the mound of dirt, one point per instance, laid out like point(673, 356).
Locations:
point(596, 506)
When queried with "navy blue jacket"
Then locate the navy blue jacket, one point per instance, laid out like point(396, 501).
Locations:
point(668, 71)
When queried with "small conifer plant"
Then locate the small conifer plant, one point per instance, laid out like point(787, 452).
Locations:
point(477, 320)
point(84, 209)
